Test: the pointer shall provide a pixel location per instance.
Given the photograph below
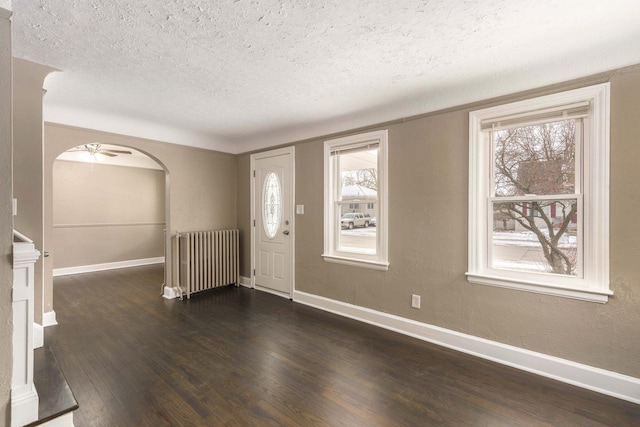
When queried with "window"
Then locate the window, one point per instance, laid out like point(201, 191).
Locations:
point(271, 205)
point(538, 195)
point(355, 174)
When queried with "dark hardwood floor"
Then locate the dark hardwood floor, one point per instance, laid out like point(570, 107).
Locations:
point(235, 356)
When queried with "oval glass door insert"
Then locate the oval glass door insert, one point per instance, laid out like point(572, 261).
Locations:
point(271, 205)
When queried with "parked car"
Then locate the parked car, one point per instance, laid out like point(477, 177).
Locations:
point(351, 220)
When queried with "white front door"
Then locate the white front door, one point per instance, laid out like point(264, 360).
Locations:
point(273, 216)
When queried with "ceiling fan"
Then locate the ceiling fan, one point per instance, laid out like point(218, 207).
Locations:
point(95, 149)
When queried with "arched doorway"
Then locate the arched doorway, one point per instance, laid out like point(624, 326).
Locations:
point(109, 209)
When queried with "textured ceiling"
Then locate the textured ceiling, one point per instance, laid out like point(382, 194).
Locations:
point(237, 75)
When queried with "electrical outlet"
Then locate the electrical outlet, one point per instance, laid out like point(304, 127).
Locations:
point(415, 301)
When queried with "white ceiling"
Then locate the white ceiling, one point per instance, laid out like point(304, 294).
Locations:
point(238, 75)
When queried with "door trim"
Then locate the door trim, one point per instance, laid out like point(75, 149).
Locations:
point(292, 165)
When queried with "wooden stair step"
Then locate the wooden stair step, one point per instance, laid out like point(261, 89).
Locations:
point(56, 398)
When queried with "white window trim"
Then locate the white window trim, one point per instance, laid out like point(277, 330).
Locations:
point(594, 285)
point(331, 224)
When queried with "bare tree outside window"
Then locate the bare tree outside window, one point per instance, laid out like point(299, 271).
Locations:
point(367, 178)
point(534, 167)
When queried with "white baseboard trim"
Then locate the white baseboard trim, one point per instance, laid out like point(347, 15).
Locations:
point(38, 335)
point(585, 376)
point(106, 266)
point(49, 319)
point(24, 406)
point(171, 293)
point(245, 281)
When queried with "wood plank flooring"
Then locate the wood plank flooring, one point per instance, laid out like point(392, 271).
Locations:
point(235, 356)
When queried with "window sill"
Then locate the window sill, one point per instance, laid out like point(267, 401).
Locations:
point(593, 295)
point(375, 265)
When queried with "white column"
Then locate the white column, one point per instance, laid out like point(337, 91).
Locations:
point(24, 397)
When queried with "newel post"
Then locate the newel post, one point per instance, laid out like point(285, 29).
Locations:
point(24, 397)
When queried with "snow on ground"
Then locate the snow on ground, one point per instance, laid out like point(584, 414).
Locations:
point(521, 265)
point(370, 231)
point(530, 240)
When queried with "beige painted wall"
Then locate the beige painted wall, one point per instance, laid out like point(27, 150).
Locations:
point(428, 190)
point(27, 161)
point(104, 213)
point(201, 184)
point(6, 219)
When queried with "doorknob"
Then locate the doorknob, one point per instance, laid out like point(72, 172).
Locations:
point(285, 232)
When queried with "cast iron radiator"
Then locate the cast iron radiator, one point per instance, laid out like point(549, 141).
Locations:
point(208, 259)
